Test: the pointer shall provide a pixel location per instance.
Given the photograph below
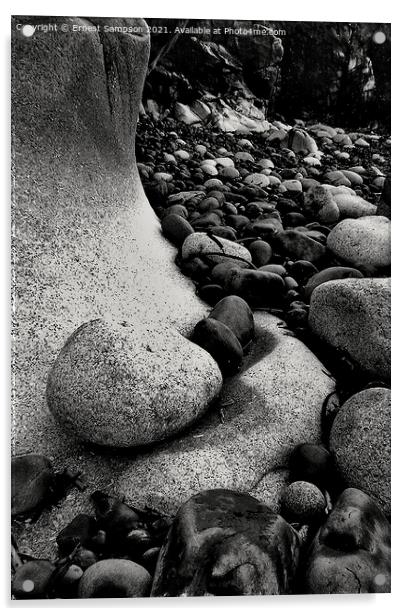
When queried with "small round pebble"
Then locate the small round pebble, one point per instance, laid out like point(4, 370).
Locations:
point(303, 502)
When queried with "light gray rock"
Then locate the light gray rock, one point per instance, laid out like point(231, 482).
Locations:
point(198, 244)
point(354, 316)
point(303, 502)
point(117, 385)
point(360, 441)
point(270, 407)
point(364, 243)
point(353, 206)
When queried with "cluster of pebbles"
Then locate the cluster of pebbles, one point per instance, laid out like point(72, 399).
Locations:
point(256, 223)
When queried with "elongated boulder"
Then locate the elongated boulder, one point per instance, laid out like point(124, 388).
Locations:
point(226, 543)
point(216, 249)
point(123, 386)
point(364, 243)
point(354, 317)
point(271, 406)
point(351, 552)
point(86, 243)
point(360, 441)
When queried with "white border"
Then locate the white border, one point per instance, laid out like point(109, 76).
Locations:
point(344, 10)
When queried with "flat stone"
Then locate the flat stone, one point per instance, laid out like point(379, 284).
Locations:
point(360, 441)
point(201, 244)
point(122, 386)
point(364, 243)
point(271, 406)
point(353, 206)
point(354, 316)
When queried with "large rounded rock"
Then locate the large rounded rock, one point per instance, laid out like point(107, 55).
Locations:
point(113, 384)
point(226, 543)
point(114, 577)
point(267, 409)
point(216, 250)
point(364, 243)
point(354, 316)
point(353, 206)
point(360, 441)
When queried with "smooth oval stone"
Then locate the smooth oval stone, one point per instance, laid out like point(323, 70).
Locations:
point(114, 577)
point(224, 542)
point(362, 143)
point(235, 313)
point(274, 181)
point(363, 335)
point(258, 288)
point(209, 169)
point(238, 221)
point(360, 441)
point(213, 183)
point(201, 149)
point(201, 244)
point(299, 246)
point(261, 252)
point(230, 173)
point(257, 179)
point(312, 463)
point(167, 177)
point(32, 478)
point(185, 196)
point(224, 161)
point(104, 384)
point(355, 178)
point(265, 163)
point(218, 195)
point(364, 243)
point(303, 502)
point(302, 270)
point(221, 273)
point(221, 343)
point(353, 206)
point(244, 157)
point(275, 268)
point(176, 228)
point(351, 553)
point(330, 273)
point(337, 178)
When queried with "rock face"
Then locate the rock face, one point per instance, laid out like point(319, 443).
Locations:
point(87, 244)
point(351, 553)
point(123, 386)
point(226, 543)
point(360, 441)
point(354, 316)
point(271, 406)
point(364, 243)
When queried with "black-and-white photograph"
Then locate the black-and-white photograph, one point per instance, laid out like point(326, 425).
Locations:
point(201, 307)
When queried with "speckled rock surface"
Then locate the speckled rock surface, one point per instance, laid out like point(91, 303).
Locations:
point(360, 441)
point(123, 386)
point(271, 406)
point(354, 316)
point(364, 243)
point(86, 242)
point(200, 243)
point(353, 206)
point(303, 502)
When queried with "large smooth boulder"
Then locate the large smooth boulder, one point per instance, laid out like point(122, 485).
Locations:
point(126, 386)
point(364, 243)
point(354, 317)
point(271, 406)
point(226, 543)
point(86, 243)
point(360, 441)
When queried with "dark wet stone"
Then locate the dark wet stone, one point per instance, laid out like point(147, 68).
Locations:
point(330, 273)
point(176, 228)
point(221, 343)
point(299, 246)
point(351, 553)
point(211, 293)
point(32, 479)
point(261, 252)
point(302, 270)
point(235, 313)
point(79, 531)
point(259, 288)
point(226, 543)
point(312, 463)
